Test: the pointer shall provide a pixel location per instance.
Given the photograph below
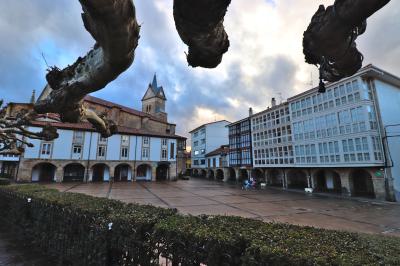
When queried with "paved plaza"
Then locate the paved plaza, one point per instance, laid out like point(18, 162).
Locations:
point(198, 196)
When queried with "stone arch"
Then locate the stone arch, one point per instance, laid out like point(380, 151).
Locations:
point(210, 174)
point(203, 173)
point(220, 174)
point(258, 174)
point(232, 174)
point(100, 172)
point(144, 172)
point(243, 175)
point(74, 172)
point(43, 172)
point(297, 179)
point(123, 173)
point(195, 172)
point(362, 184)
point(327, 180)
point(275, 177)
point(162, 172)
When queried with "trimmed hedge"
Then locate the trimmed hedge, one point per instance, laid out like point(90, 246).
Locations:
point(4, 181)
point(75, 229)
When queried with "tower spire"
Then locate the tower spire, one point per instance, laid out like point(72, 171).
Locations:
point(154, 84)
point(33, 98)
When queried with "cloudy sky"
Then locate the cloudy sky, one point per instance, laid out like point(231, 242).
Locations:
point(265, 58)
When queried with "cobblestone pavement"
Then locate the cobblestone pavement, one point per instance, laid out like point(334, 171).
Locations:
point(198, 196)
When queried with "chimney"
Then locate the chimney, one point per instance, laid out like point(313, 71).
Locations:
point(250, 111)
point(273, 102)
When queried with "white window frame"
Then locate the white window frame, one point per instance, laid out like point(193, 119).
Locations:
point(45, 148)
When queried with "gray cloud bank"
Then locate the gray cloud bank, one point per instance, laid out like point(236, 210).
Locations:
point(28, 28)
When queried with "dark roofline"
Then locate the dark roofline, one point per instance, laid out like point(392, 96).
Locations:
point(217, 151)
point(85, 126)
point(197, 128)
point(238, 122)
point(270, 109)
point(109, 104)
point(364, 71)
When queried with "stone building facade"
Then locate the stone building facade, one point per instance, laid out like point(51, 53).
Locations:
point(145, 146)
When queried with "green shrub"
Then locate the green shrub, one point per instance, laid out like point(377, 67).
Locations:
point(4, 181)
point(75, 229)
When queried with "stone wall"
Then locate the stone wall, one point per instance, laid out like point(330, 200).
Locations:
point(27, 165)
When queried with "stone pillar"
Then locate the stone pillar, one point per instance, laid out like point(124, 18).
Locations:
point(346, 184)
point(312, 181)
point(226, 174)
point(284, 180)
point(172, 172)
point(379, 188)
point(112, 173)
point(154, 173)
point(59, 174)
point(25, 171)
point(237, 171)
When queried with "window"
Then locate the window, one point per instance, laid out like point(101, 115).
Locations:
point(77, 149)
point(145, 153)
point(146, 141)
point(196, 143)
point(202, 162)
point(203, 131)
point(46, 149)
point(203, 141)
point(196, 134)
point(125, 140)
point(164, 142)
point(172, 151)
point(101, 151)
point(164, 154)
point(124, 152)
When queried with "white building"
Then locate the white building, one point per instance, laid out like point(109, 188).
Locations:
point(80, 154)
point(144, 148)
point(205, 139)
point(333, 141)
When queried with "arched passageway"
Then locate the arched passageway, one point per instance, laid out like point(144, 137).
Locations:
point(74, 172)
point(43, 172)
point(362, 184)
point(210, 174)
point(195, 173)
point(327, 181)
point(257, 174)
point(100, 173)
point(143, 173)
point(232, 175)
point(203, 173)
point(243, 175)
point(297, 179)
point(162, 172)
point(220, 174)
point(123, 173)
point(275, 177)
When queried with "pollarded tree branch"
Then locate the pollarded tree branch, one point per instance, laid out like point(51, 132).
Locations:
point(329, 40)
point(200, 26)
point(113, 25)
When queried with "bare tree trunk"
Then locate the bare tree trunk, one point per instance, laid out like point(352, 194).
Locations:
point(200, 26)
point(329, 40)
point(113, 25)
